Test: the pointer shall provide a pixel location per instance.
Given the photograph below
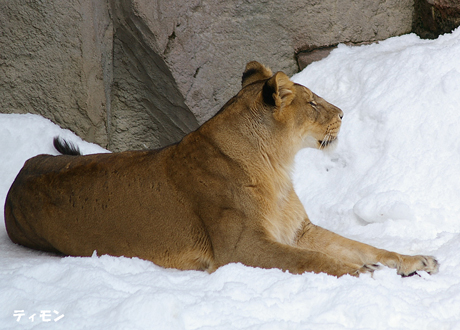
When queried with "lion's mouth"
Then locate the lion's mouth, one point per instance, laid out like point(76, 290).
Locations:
point(327, 141)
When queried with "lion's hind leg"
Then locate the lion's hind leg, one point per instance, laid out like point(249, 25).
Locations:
point(20, 232)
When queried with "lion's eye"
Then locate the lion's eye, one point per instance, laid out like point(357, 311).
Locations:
point(313, 104)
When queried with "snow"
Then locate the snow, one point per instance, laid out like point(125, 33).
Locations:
point(393, 182)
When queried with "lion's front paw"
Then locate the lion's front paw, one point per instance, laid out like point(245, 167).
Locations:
point(409, 265)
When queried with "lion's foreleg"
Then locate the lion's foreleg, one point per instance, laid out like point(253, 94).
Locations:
point(319, 239)
point(263, 252)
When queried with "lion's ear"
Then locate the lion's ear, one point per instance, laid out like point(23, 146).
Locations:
point(254, 72)
point(278, 91)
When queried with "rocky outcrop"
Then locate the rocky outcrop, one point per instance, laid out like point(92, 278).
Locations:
point(51, 63)
point(206, 44)
point(147, 108)
point(92, 69)
point(141, 74)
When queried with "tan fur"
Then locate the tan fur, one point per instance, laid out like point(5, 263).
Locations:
point(223, 194)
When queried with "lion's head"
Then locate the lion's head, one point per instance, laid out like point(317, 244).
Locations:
point(291, 108)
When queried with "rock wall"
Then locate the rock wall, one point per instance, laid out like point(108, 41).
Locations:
point(50, 62)
point(207, 43)
point(141, 74)
point(147, 108)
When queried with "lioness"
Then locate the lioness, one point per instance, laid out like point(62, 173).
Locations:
point(223, 194)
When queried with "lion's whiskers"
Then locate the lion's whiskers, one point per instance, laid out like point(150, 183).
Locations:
point(327, 138)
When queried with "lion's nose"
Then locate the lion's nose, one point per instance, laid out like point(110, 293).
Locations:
point(341, 114)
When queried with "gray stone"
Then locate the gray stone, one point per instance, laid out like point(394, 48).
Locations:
point(141, 74)
point(50, 62)
point(70, 62)
point(206, 44)
point(147, 109)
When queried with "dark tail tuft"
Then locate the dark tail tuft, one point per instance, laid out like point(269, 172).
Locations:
point(66, 148)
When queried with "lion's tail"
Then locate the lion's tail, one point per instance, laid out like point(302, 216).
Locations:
point(66, 148)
